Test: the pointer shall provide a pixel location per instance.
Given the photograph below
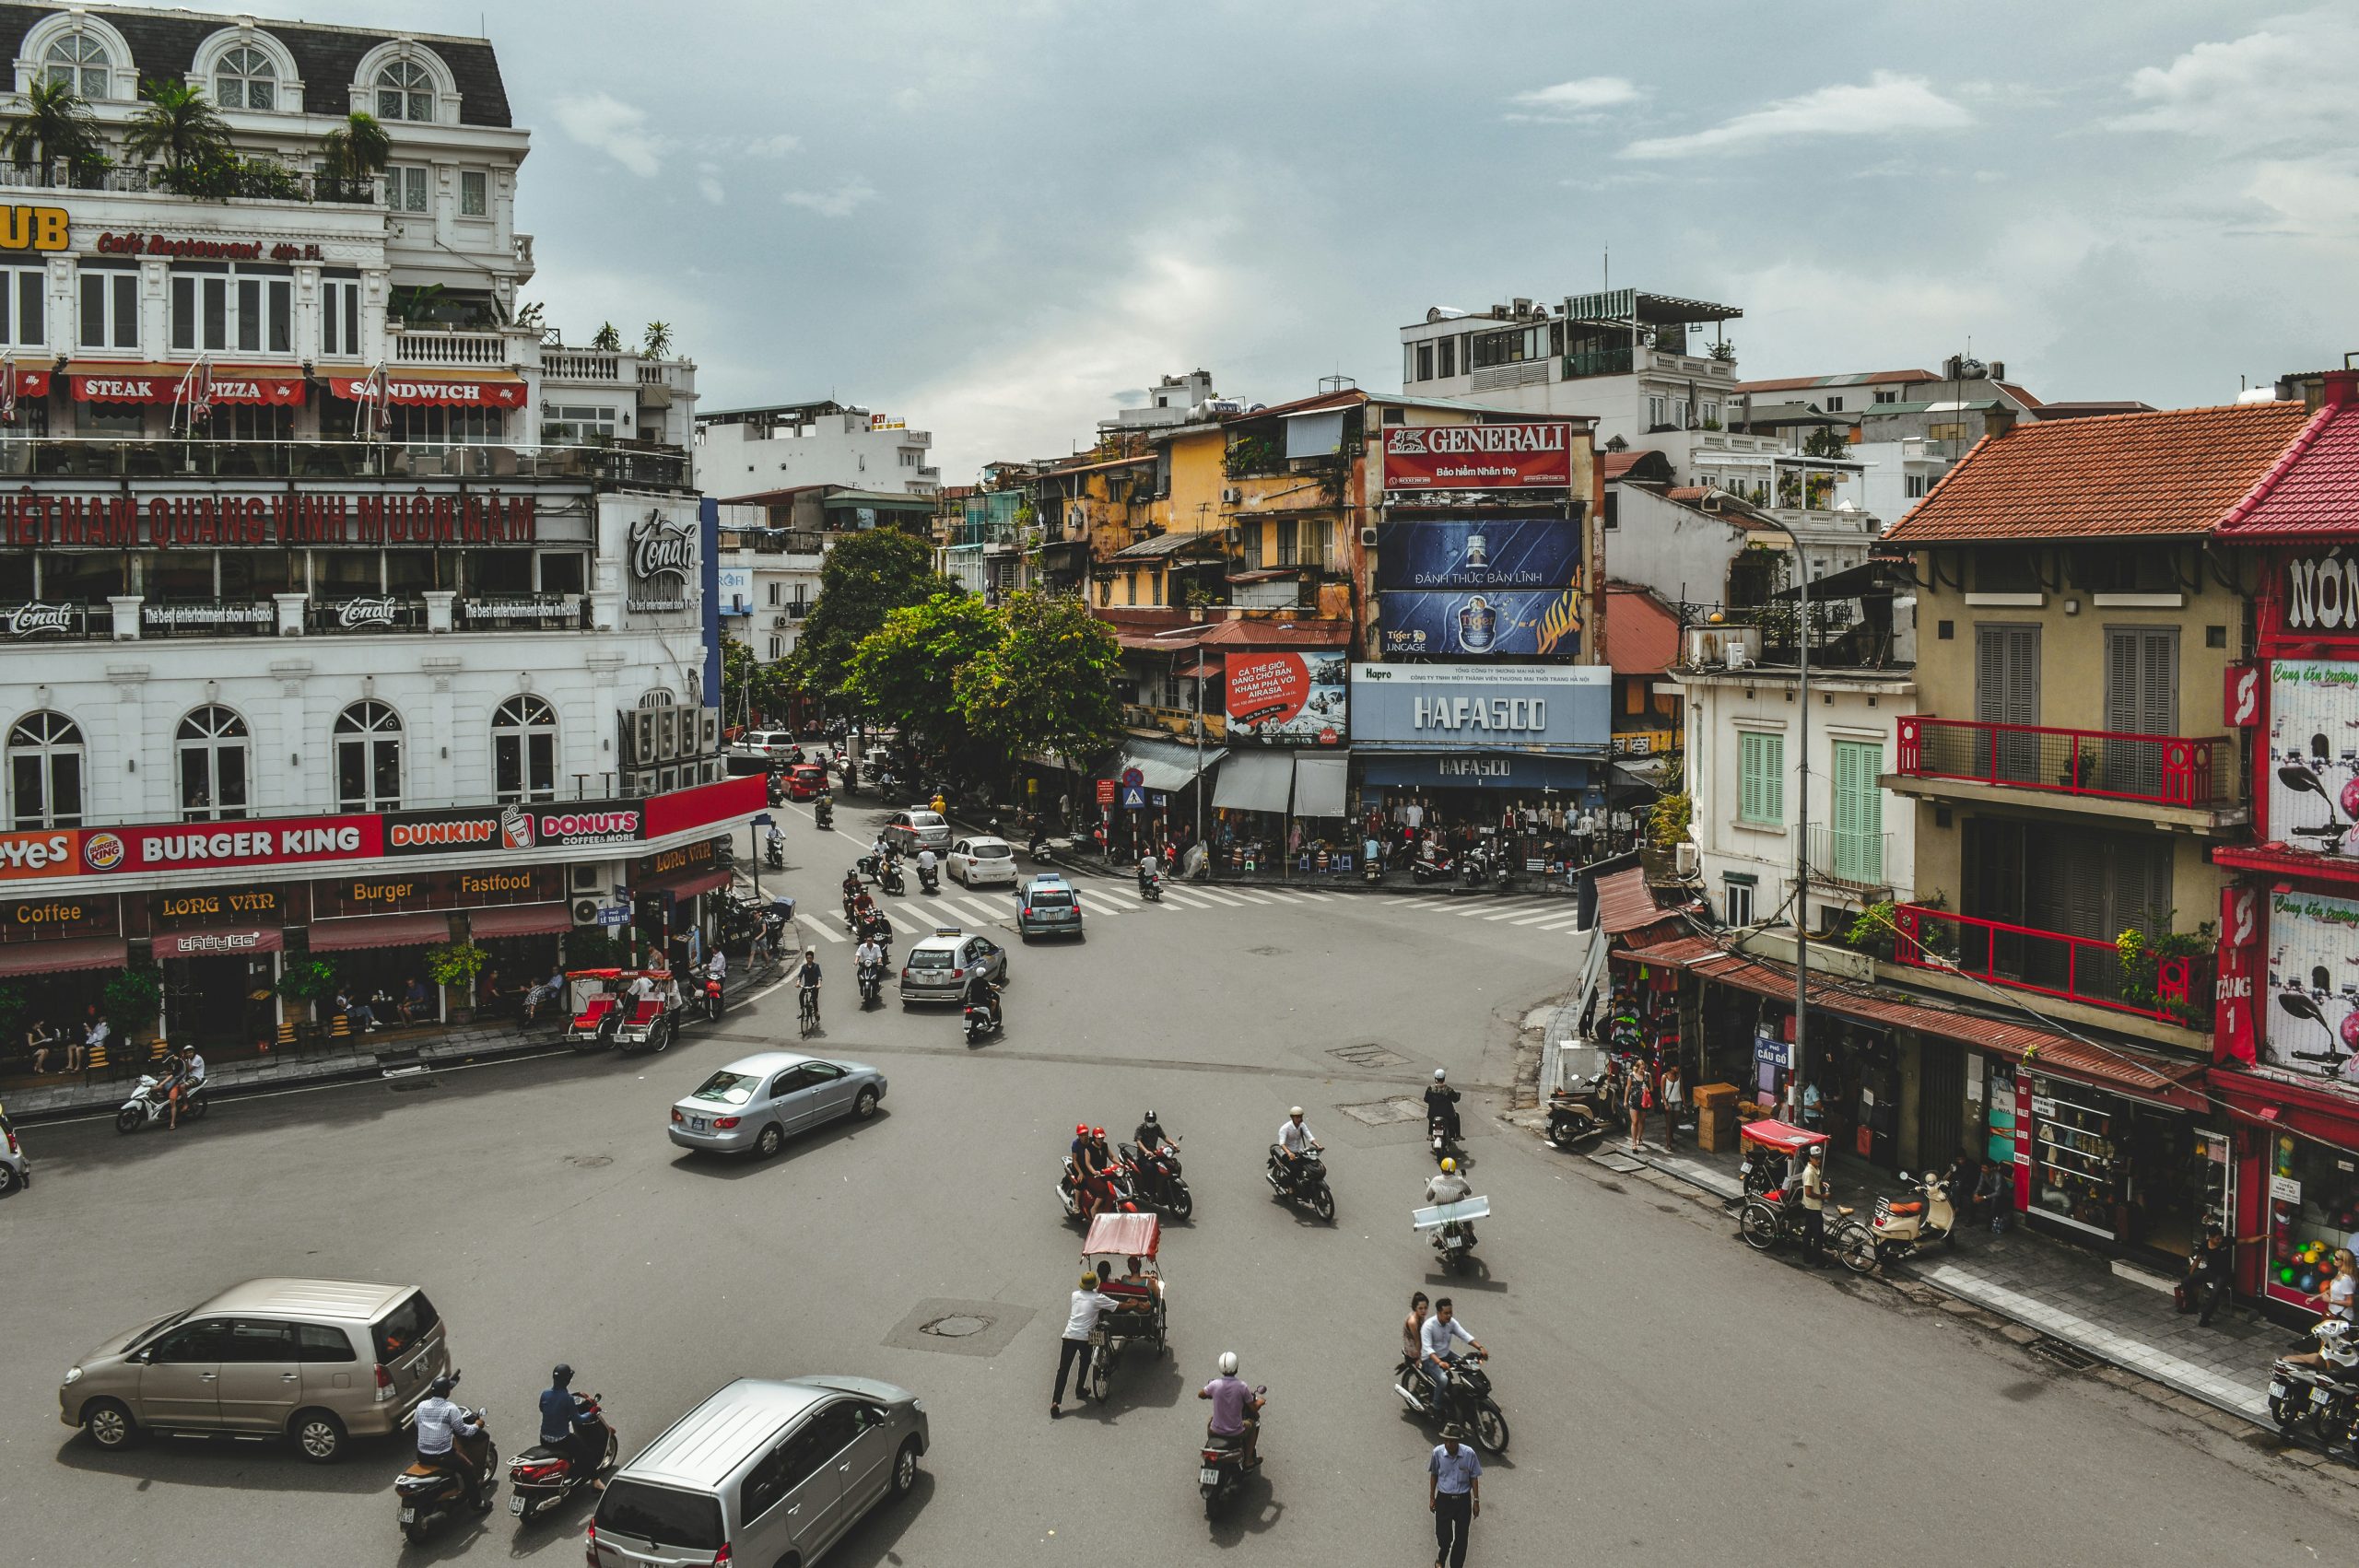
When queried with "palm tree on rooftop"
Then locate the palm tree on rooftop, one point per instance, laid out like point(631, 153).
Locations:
point(178, 125)
point(53, 123)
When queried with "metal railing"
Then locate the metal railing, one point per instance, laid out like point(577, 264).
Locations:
point(1850, 858)
point(2025, 958)
point(269, 184)
point(2170, 770)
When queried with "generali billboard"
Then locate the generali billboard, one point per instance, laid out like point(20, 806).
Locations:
point(1532, 455)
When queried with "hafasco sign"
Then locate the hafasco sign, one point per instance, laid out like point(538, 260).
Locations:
point(32, 228)
point(1498, 714)
point(662, 549)
point(1532, 455)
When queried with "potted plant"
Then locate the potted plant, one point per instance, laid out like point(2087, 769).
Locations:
point(307, 982)
point(129, 1001)
point(454, 965)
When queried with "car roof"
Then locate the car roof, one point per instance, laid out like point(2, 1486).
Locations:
point(941, 939)
point(987, 838)
point(348, 1300)
point(1054, 878)
point(928, 817)
point(705, 1447)
point(766, 1061)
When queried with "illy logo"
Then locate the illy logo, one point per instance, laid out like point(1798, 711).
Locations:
point(662, 548)
point(358, 613)
point(34, 620)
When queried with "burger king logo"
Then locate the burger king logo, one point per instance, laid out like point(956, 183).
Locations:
point(101, 851)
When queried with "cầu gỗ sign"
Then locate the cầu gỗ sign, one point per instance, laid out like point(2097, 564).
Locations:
point(33, 518)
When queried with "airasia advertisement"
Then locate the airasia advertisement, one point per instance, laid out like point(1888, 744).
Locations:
point(1287, 699)
point(1523, 456)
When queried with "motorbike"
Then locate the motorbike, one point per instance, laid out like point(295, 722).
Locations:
point(1455, 1241)
point(1434, 866)
point(1150, 888)
point(541, 1478)
point(823, 814)
point(1155, 1177)
point(1441, 1139)
point(877, 927)
point(1372, 869)
point(981, 1025)
point(1453, 1228)
point(1125, 1197)
point(929, 880)
point(1302, 1180)
point(1900, 1231)
point(1574, 1118)
point(1466, 1399)
point(1473, 868)
point(871, 985)
point(774, 853)
point(891, 881)
point(2324, 1397)
point(711, 992)
point(1223, 1469)
point(148, 1106)
point(870, 867)
point(427, 1496)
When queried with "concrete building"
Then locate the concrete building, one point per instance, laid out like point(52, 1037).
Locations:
point(742, 452)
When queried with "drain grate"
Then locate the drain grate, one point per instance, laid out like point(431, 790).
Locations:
point(2055, 1351)
point(1384, 1113)
point(1370, 1055)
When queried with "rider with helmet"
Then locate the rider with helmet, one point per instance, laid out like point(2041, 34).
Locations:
point(1150, 1138)
point(980, 993)
point(1449, 1186)
point(444, 1431)
point(564, 1427)
point(1233, 1408)
point(1442, 1103)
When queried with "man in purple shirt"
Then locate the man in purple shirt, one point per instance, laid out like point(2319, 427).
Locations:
point(1233, 1408)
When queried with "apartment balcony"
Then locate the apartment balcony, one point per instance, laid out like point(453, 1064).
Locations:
point(1851, 859)
point(2072, 971)
point(2172, 782)
point(457, 348)
point(267, 183)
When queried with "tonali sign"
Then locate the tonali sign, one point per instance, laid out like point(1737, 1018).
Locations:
point(1521, 456)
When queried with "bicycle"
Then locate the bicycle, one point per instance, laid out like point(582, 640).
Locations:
point(810, 1009)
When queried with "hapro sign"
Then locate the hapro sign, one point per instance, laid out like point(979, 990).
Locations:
point(1477, 707)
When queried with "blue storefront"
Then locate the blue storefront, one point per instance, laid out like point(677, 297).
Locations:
point(1467, 744)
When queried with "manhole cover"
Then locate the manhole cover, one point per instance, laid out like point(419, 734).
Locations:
point(2072, 1358)
point(959, 1326)
point(1382, 1113)
point(589, 1161)
point(1370, 1055)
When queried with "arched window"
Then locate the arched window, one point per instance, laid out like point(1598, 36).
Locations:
point(405, 91)
point(524, 750)
point(80, 61)
point(657, 696)
point(368, 758)
point(246, 79)
point(45, 766)
point(212, 753)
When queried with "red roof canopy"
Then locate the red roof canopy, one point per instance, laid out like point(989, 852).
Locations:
point(1132, 1236)
point(1641, 632)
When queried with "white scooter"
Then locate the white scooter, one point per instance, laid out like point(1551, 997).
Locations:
point(1903, 1230)
point(148, 1106)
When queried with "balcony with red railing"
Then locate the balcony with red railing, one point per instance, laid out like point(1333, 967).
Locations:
point(2188, 781)
point(2172, 988)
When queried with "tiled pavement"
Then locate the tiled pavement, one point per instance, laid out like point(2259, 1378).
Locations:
point(2060, 1289)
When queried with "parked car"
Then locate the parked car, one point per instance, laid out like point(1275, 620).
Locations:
point(753, 1105)
point(982, 863)
point(936, 968)
point(912, 830)
point(1049, 905)
point(805, 780)
point(320, 1361)
point(15, 1171)
point(776, 745)
point(766, 1470)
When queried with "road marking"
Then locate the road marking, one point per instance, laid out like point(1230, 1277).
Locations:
point(1281, 897)
point(987, 912)
point(821, 929)
point(1176, 902)
point(1429, 904)
point(1249, 895)
point(1563, 923)
point(1220, 898)
point(1547, 915)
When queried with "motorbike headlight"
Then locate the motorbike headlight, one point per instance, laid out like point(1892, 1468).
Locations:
point(72, 1375)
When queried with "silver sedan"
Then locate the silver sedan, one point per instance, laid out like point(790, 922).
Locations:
point(753, 1105)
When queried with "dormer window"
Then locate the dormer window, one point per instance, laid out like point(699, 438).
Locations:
point(78, 61)
point(246, 79)
point(405, 91)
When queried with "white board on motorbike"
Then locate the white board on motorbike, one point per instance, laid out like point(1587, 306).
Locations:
point(1441, 1214)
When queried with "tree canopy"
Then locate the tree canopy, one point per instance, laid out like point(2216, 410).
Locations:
point(866, 577)
point(1047, 685)
point(905, 672)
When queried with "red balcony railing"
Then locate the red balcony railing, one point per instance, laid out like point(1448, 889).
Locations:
point(2025, 958)
point(2170, 770)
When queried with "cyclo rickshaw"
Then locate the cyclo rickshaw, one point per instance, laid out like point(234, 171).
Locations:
point(1774, 1152)
point(604, 1013)
point(1117, 1238)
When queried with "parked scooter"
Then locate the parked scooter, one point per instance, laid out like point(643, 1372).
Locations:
point(2322, 1394)
point(148, 1105)
point(1577, 1108)
point(429, 1496)
point(1371, 862)
point(540, 1479)
point(1223, 1468)
point(710, 990)
point(1431, 864)
point(1466, 1400)
point(1902, 1230)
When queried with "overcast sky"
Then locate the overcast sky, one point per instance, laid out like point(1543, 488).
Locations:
point(1000, 219)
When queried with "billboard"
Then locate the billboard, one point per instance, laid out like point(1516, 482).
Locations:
point(1527, 455)
point(1287, 699)
point(1446, 623)
point(2313, 757)
point(2312, 1023)
point(1488, 553)
point(1538, 708)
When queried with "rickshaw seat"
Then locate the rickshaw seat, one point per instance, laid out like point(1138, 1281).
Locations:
point(599, 1007)
point(646, 1013)
point(1907, 1208)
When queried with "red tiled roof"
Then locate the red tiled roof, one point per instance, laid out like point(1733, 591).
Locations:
point(1641, 632)
point(1626, 903)
point(1800, 384)
point(2313, 489)
point(2168, 473)
point(1279, 634)
point(2018, 394)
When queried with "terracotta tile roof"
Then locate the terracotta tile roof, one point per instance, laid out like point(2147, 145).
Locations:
point(1279, 634)
point(2313, 489)
point(2172, 473)
point(1641, 632)
point(1626, 903)
point(2018, 394)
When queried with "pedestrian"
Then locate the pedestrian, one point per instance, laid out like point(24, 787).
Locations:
point(1412, 1326)
point(1991, 1190)
point(1814, 1206)
point(2340, 1298)
point(1088, 1303)
point(2213, 1270)
point(1453, 1495)
point(1637, 1098)
point(1674, 1100)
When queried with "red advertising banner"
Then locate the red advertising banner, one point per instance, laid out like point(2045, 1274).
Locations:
point(2235, 1032)
point(180, 845)
point(133, 383)
point(1523, 456)
point(1285, 699)
point(448, 394)
point(729, 803)
point(47, 851)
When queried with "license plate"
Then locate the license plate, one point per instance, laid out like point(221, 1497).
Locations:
point(2277, 1391)
point(409, 1515)
point(1208, 1477)
point(1454, 1242)
point(1097, 1336)
point(695, 1124)
point(516, 1507)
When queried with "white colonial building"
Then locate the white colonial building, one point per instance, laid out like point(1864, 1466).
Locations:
point(744, 452)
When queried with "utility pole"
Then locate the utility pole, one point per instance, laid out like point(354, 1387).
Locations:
point(1801, 825)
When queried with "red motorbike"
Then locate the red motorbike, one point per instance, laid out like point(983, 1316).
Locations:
point(541, 1478)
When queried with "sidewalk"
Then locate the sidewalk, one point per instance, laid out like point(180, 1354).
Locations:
point(2060, 1290)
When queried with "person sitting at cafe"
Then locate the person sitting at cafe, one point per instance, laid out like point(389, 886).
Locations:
point(95, 1032)
point(487, 990)
point(41, 1040)
point(359, 1014)
point(416, 1003)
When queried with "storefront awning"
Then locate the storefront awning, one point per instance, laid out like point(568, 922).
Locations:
point(56, 957)
point(1255, 781)
point(143, 381)
point(225, 942)
point(685, 885)
point(1318, 784)
point(477, 389)
point(379, 930)
point(518, 920)
point(1166, 765)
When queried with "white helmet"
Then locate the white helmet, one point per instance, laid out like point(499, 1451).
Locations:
point(1228, 1364)
point(1294, 1111)
point(1441, 1074)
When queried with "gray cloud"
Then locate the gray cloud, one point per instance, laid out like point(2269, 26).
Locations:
point(1886, 104)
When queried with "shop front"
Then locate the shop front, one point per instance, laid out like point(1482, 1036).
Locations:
point(675, 898)
point(56, 955)
point(219, 951)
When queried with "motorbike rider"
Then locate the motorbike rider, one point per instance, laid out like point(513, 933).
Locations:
point(718, 973)
point(868, 955)
point(1233, 1408)
point(183, 1084)
point(852, 891)
point(980, 993)
point(1149, 1137)
point(776, 843)
point(926, 863)
point(1449, 1186)
point(1147, 871)
point(2337, 1351)
point(1294, 1141)
point(443, 1429)
point(1442, 1103)
point(566, 1428)
point(1433, 1343)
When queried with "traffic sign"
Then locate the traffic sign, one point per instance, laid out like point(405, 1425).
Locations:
point(1106, 792)
point(1133, 777)
point(764, 820)
point(1134, 797)
point(614, 914)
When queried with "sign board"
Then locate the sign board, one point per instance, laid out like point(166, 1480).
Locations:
point(1133, 778)
point(614, 914)
point(1106, 788)
point(2285, 1189)
point(1294, 699)
point(2309, 1023)
point(1486, 553)
point(1538, 708)
point(1134, 797)
point(1525, 455)
point(2312, 772)
point(1450, 625)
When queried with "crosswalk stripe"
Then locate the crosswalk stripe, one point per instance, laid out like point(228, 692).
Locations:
point(1563, 923)
point(987, 911)
point(1280, 895)
point(1222, 898)
point(1250, 896)
point(1429, 903)
point(1176, 902)
point(821, 929)
point(1107, 906)
point(1547, 915)
point(1315, 897)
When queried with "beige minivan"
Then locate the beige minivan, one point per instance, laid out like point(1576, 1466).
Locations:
point(317, 1361)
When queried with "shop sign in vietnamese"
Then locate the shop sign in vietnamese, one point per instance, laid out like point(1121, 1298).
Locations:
point(2312, 1026)
point(1477, 707)
point(1520, 456)
point(1446, 624)
point(212, 520)
point(2235, 1028)
point(1485, 552)
point(2313, 769)
point(2311, 597)
point(207, 905)
point(1287, 699)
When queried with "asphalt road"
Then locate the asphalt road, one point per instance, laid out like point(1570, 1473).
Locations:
point(1670, 1392)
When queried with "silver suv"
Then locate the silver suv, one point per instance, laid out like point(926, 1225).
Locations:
point(318, 1360)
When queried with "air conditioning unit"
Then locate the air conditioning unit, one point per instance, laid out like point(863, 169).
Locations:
point(778, 622)
point(1232, 496)
point(585, 911)
point(1234, 534)
point(1683, 856)
point(707, 731)
point(1367, 537)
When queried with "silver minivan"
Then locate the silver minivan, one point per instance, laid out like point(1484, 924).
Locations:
point(317, 1361)
point(765, 1471)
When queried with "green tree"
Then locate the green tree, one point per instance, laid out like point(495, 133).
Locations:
point(1049, 685)
point(607, 339)
point(866, 577)
point(355, 150)
point(178, 125)
point(53, 123)
point(749, 688)
point(1827, 440)
point(904, 671)
point(657, 344)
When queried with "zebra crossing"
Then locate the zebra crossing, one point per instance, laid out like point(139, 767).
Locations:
point(1548, 912)
point(924, 912)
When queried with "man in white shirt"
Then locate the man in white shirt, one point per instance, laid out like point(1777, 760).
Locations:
point(1433, 1341)
point(442, 1427)
point(925, 863)
point(1294, 1136)
point(1088, 1303)
point(1815, 1203)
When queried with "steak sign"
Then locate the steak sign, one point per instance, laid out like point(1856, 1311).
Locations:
point(1526, 455)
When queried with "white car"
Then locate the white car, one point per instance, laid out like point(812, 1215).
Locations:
point(982, 863)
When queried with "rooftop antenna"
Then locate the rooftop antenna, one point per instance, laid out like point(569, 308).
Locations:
point(1609, 267)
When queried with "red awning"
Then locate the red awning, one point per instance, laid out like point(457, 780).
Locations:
point(276, 385)
point(484, 389)
point(32, 383)
point(518, 920)
point(379, 930)
point(219, 943)
point(685, 885)
point(54, 957)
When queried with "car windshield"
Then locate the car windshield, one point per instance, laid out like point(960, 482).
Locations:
point(993, 852)
point(728, 1088)
point(925, 819)
point(685, 1521)
point(1050, 898)
point(930, 958)
point(398, 1332)
point(154, 1328)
